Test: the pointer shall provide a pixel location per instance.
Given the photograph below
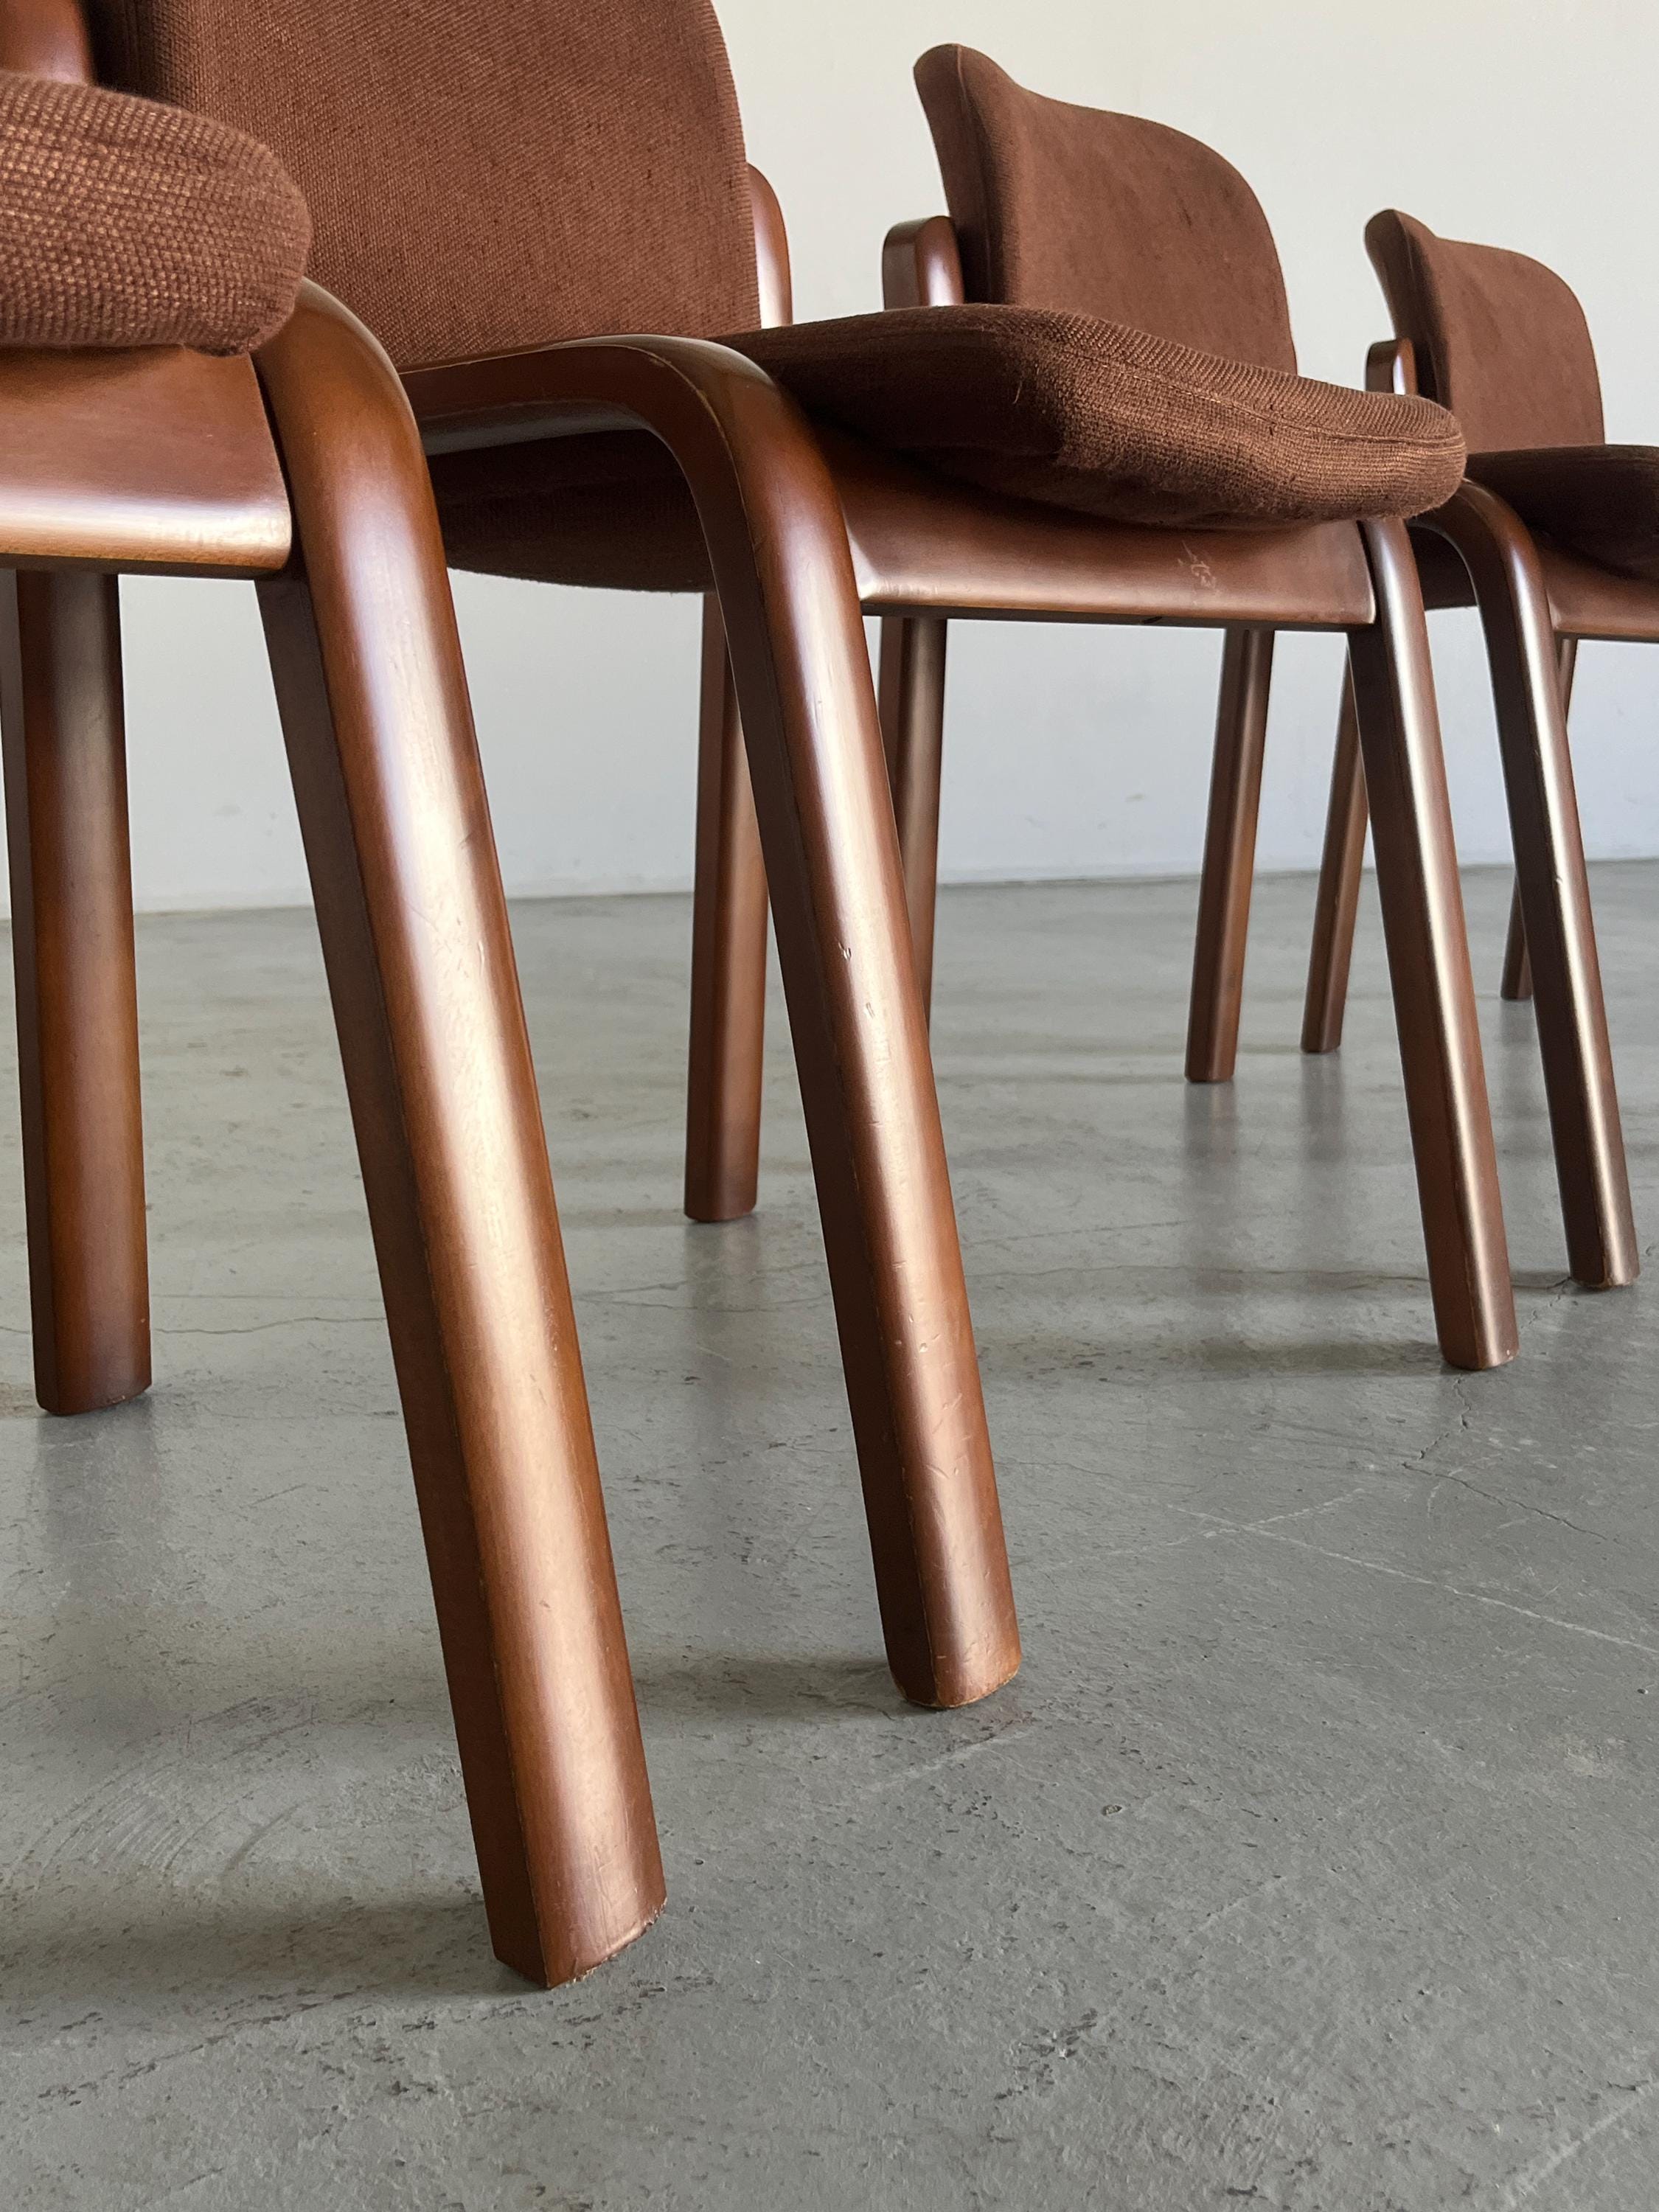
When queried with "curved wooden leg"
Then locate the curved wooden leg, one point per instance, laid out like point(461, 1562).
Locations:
point(827, 824)
point(1516, 982)
point(379, 730)
point(1338, 902)
point(1223, 898)
point(728, 957)
point(1549, 859)
point(838, 906)
point(1429, 965)
point(776, 534)
point(78, 1002)
point(910, 693)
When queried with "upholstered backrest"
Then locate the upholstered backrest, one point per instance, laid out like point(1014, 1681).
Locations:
point(1058, 206)
point(484, 175)
point(1500, 340)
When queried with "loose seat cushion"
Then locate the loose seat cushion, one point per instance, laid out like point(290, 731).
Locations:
point(1114, 423)
point(127, 223)
point(1600, 501)
point(1027, 402)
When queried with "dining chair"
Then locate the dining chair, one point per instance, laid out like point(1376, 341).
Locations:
point(1554, 537)
point(144, 253)
point(1087, 370)
point(496, 188)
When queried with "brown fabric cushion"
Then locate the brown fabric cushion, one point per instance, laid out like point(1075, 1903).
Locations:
point(1112, 422)
point(1500, 340)
point(1070, 208)
point(484, 175)
point(1059, 409)
point(124, 223)
point(1601, 500)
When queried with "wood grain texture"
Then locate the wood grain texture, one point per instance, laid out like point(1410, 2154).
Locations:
point(1429, 965)
point(729, 899)
point(1228, 869)
point(64, 739)
point(414, 926)
point(778, 546)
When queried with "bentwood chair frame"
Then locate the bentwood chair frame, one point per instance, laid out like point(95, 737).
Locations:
point(924, 552)
point(308, 477)
point(165, 463)
point(1537, 602)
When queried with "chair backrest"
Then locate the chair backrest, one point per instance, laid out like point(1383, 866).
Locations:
point(1065, 207)
point(484, 175)
point(1500, 340)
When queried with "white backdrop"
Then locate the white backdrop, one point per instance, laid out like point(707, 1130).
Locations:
point(1070, 752)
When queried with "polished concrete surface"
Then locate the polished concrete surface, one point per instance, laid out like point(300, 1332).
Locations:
point(1310, 1863)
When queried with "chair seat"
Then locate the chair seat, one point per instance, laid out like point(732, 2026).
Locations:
point(1600, 501)
point(129, 223)
point(1061, 410)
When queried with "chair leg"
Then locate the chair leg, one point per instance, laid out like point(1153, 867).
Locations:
point(728, 957)
point(1338, 902)
point(1223, 898)
point(1516, 982)
point(911, 696)
point(1549, 859)
point(77, 1001)
point(776, 534)
point(1429, 965)
point(861, 1039)
point(386, 770)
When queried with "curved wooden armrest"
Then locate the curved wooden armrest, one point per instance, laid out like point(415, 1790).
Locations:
point(685, 391)
point(47, 37)
point(771, 253)
point(1391, 366)
point(753, 466)
point(921, 264)
point(1500, 552)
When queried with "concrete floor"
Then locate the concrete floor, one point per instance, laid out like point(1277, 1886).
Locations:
point(1311, 1862)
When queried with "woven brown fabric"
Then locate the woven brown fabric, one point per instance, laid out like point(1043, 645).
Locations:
point(610, 511)
point(484, 175)
point(1500, 340)
point(1070, 208)
point(1114, 423)
point(1059, 408)
point(125, 223)
point(1600, 500)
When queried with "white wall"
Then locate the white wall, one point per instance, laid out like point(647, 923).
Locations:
point(1070, 752)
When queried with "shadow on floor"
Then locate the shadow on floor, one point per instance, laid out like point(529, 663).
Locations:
point(103, 1943)
point(739, 1686)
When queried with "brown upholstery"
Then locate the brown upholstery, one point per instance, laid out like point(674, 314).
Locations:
point(125, 223)
point(492, 175)
point(1502, 340)
point(1600, 500)
point(610, 511)
point(1499, 339)
point(1103, 215)
point(1055, 408)
point(484, 175)
point(1114, 423)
